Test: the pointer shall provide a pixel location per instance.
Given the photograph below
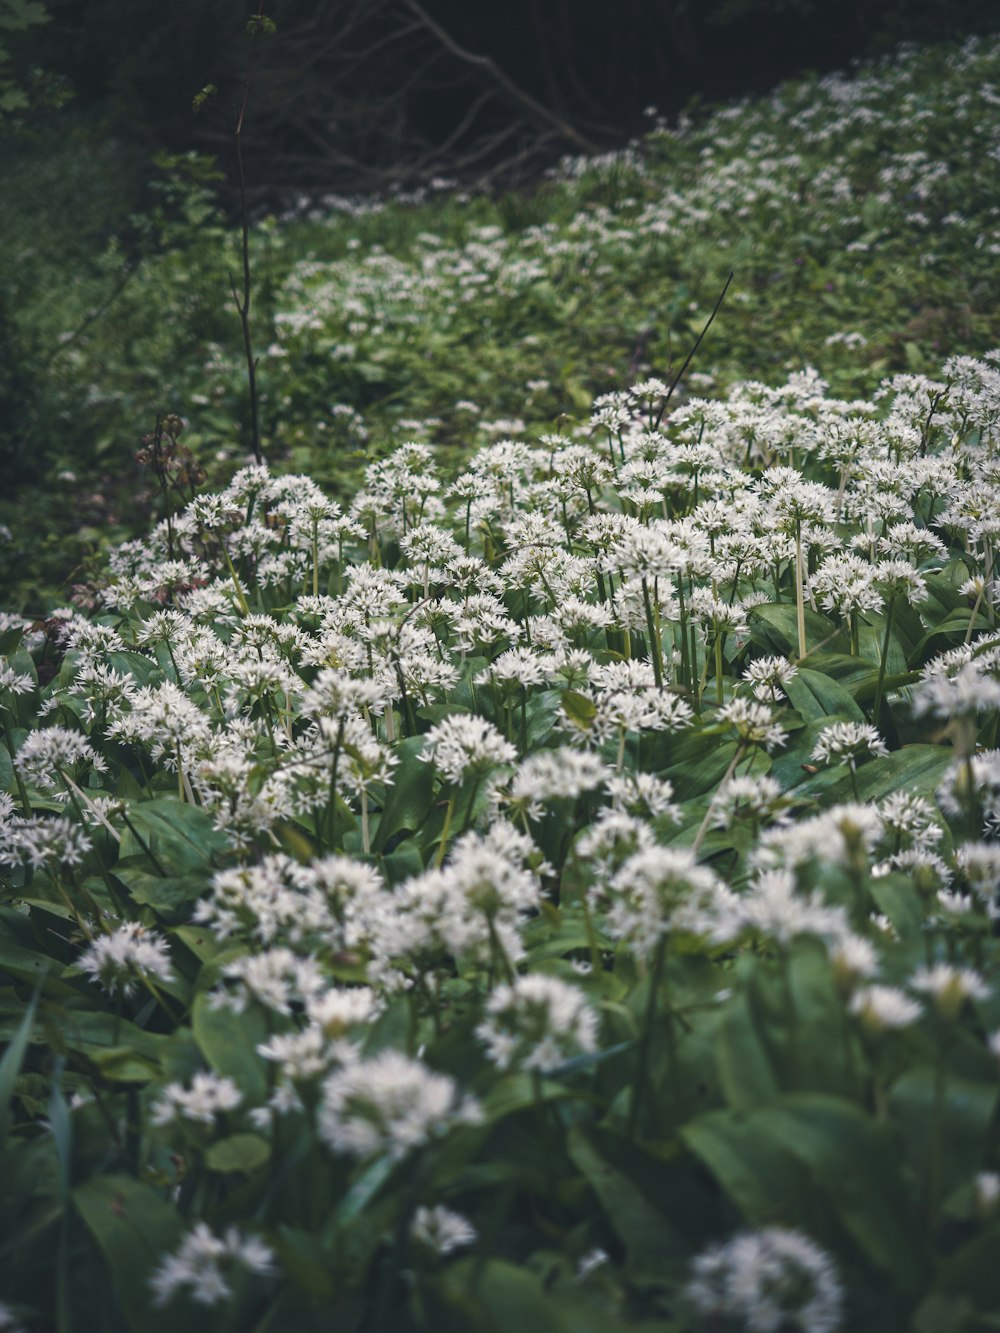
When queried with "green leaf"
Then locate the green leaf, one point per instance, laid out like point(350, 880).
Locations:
point(775, 628)
point(967, 1109)
point(410, 798)
point(134, 1228)
point(180, 836)
point(580, 710)
point(803, 1144)
point(10, 1067)
point(228, 1042)
point(515, 1092)
point(498, 1297)
point(973, 1272)
point(915, 768)
point(815, 695)
point(624, 1178)
point(238, 1152)
point(171, 896)
point(742, 1058)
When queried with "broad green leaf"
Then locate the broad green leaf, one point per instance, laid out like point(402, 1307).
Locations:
point(580, 710)
point(973, 1272)
point(134, 1228)
point(742, 1058)
point(410, 797)
point(625, 1179)
point(967, 1108)
point(915, 768)
point(180, 836)
point(229, 1042)
point(517, 1091)
point(238, 1152)
point(171, 896)
point(775, 627)
point(783, 1153)
point(10, 1067)
point(816, 695)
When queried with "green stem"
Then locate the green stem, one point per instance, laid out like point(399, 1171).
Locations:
point(877, 707)
point(22, 792)
point(800, 605)
point(641, 1080)
point(654, 639)
point(443, 843)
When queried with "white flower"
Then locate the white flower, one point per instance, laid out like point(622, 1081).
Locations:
point(537, 1022)
point(556, 774)
point(51, 752)
point(950, 986)
point(464, 744)
point(987, 1190)
point(848, 742)
point(882, 1007)
point(205, 1263)
point(390, 1105)
point(754, 723)
point(662, 889)
point(771, 1281)
point(442, 1230)
point(120, 960)
point(208, 1096)
point(769, 676)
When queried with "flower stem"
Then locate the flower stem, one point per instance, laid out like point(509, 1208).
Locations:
point(877, 707)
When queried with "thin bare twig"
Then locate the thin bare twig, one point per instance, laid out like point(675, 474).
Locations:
point(517, 94)
point(690, 355)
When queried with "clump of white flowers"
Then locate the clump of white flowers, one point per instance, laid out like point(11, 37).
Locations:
point(768, 1281)
point(205, 1265)
point(848, 743)
point(129, 955)
point(390, 1105)
point(537, 1022)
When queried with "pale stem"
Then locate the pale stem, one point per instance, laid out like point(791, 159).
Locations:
point(800, 606)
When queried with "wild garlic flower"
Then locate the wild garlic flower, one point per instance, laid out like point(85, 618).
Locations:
point(42, 841)
point(847, 743)
point(844, 835)
point(882, 1008)
point(51, 754)
point(768, 1281)
point(853, 957)
point(465, 745)
point(17, 682)
point(950, 986)
point(754, 723)
point(208, 1096)
point(560, 774)
point(775, 907)
point(537, 1022)
point(909, 821)
point(205, 1265)
point(769, 676)
point(658, 890)
point(643, 794)
point(755, 797)
point(275, 979)
point(979, 864)
point(338, 1010)
point(304, 1054)
point(390, 1105)
point(130, 954)
point(442, 1230)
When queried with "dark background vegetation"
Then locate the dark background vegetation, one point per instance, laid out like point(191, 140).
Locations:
point(366, 94)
